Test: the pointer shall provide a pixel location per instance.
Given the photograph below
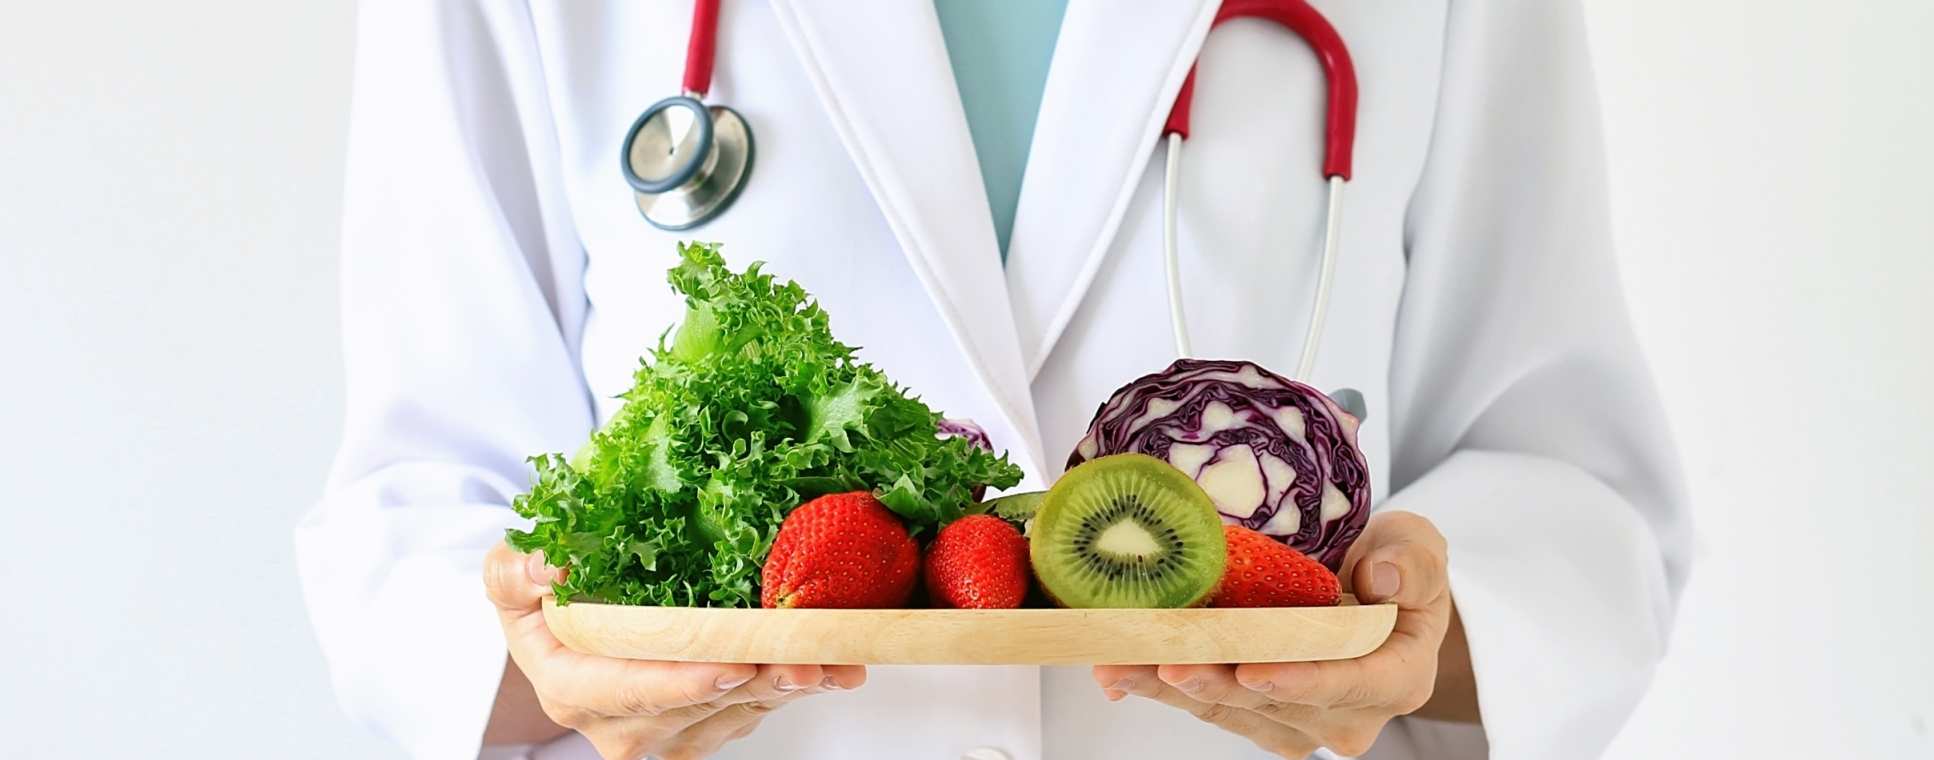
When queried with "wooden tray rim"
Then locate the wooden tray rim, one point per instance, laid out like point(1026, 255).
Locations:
point(1031, 636)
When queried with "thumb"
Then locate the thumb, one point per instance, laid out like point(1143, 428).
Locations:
point(517, 582)
point(1403, 561)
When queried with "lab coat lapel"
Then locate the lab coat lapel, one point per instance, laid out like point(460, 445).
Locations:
point(1115, 73)
point(881, 70)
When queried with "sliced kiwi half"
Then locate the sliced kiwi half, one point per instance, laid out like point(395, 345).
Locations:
point(1127, 531)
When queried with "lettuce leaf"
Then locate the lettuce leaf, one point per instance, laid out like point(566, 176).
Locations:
point(752, 409)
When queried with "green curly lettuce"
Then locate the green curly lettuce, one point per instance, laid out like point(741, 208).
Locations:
point(751, 410)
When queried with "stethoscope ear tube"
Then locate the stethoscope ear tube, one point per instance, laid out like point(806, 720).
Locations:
point(1326, 268)
point(1319, 310)
point(1177, 316)
point(1339, 145)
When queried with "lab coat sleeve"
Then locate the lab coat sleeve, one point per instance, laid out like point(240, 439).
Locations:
point(1525, 424)
point(461, 308)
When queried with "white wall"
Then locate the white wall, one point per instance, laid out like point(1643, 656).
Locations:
point(1772, 163)
point(169, 388)
point(170, 380)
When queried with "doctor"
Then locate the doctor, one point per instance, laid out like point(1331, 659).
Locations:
point(499, 286)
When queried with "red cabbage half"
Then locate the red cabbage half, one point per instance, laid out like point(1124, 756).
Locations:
point(953, 428)
point(1274, 454)
point(968, 429)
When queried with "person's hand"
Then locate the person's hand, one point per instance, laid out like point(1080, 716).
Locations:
point(629, 709)
point(1292, 708)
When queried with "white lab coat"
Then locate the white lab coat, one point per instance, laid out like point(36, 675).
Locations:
point(499, 287)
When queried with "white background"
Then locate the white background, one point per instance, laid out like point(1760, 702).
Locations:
point(169, 388)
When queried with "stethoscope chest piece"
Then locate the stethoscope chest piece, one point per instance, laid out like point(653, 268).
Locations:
point(686, 161)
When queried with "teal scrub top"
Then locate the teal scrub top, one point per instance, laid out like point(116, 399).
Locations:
point(1000, 51)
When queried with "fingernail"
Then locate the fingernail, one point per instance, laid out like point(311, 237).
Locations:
point(540, 572)
point(1262, 686)
point(784, 684)
point(1190, 686)
point(1112, 695)
point(829, 684)
point(1384, 580)
point(1124, 684)
point(732, 682)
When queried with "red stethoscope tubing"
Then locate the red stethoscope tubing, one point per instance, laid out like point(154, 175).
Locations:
point(1299, 17)
point(1296, 15)
point(1338, 149)
point(1308, 23)
point(702, 46)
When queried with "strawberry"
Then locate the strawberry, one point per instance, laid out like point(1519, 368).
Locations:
point(978, 562)
point(1264, 572)
point(840, 550)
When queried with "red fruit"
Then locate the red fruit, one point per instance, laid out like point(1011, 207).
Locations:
point(978, 562)
point(1264, 572)
point(841, 550)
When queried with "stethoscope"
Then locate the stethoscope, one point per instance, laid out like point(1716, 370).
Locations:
point(1339, 143)
point(686, 161)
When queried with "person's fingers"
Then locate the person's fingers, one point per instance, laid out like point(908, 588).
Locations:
point(775, 682)
point(1362, 682)
point(675, 722)
point(579, 685)
point(1121, 677)
point(700, 730)
point(650, 688)
point(623, 738)
point(1276, 733)
point(517, 582)
point(575, 687)
point(1117, 681)
point(1218, 684)
point(1273, 736)
point(612, 749)
point(1401, 673)
point(1209, 683)
point(705, 737)
point(1403, 560)
point(842, 677)
point(733, 715)
point(766, 685)
point(787, 679)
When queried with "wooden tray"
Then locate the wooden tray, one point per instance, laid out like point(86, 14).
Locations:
point(973, 637)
